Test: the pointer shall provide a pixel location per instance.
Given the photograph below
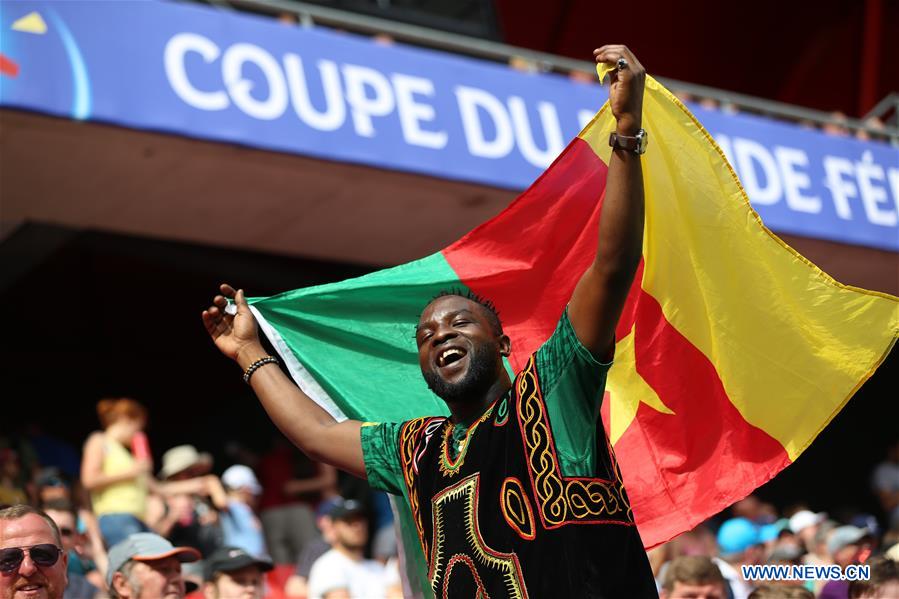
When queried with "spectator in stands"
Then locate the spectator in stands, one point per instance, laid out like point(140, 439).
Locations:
point(739, 544)
point(890, 543)
point(86, 578)
point(847, 545)
point(240, 526)
point(12, 488)
point(754, 510)
point(298, 584)
point(818, 554)
point(52, 485)
point(292, 485)
point(781, 592)
point(693, 576)
point(804, 524)
point(118, 482)
point(384, 544)
point(146, 566)
point(885, 483)
point(777, 535)
point(883, 582)
point(232, 573)
point(32, 561)
point(877, 125)
point(190, 511)
point(788, 555)
point(343, 571)
point(837, 126)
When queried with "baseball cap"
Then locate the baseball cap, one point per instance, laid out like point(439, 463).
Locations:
point(239, 477)
point(805, 518)
point(327, 506)
point(145, 547)
point(346, 509)
point(769, 532)
point(843, 536)
point(228, 559)
point(737, 535)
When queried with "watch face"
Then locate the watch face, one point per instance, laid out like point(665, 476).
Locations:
point(642, 141)
point(636, 144)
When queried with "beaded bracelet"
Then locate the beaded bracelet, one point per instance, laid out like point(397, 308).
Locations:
point(256, 365)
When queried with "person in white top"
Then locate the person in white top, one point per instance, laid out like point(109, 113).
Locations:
point(343, 572)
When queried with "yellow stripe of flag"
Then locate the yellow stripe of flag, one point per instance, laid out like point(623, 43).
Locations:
point(790, 344)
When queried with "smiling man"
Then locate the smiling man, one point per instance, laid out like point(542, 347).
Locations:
point(517, 493)
point(32, 562)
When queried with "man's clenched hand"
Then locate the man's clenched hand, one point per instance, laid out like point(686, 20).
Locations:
point(626, 89)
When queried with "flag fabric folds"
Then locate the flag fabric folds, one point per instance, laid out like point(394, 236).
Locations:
point(732, 354)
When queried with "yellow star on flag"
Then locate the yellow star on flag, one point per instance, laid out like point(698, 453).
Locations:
point(627, 389)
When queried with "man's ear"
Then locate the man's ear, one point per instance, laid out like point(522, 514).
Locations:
point(65, 566)
point(505, 345)
point(121, 585)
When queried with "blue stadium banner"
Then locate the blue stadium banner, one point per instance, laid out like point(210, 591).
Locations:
point(238, 78)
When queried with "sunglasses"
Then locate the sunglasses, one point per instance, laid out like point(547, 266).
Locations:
point(44, 555)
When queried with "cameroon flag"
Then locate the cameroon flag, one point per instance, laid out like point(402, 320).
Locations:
point(732, 354)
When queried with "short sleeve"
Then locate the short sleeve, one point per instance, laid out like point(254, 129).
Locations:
point(327, 575)
point(380, 451)
point(572, 382)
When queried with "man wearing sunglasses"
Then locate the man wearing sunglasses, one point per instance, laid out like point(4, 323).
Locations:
point(32, 562)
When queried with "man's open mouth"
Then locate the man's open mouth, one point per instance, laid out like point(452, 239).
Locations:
point(449, 356)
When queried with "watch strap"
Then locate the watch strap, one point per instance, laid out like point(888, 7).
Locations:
point(635, 143)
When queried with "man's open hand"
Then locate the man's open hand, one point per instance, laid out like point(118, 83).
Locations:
point(626, 89)
point(233, 334)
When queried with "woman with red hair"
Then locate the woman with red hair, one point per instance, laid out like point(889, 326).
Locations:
point(117, 479)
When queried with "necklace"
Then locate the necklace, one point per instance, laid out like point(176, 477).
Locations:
point(449, 465)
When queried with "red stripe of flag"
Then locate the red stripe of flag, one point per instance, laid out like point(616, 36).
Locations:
point(531, 246)
point(706, 453)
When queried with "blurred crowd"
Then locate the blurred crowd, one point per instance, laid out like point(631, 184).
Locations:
point(274, 525)
point(708, 561)
point(270, 525)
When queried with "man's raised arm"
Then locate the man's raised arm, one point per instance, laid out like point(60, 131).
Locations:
point(303, 421)
point(599, 296)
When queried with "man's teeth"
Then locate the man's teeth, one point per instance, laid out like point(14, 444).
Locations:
point(449, 353)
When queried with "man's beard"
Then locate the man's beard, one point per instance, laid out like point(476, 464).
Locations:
point(474, 385)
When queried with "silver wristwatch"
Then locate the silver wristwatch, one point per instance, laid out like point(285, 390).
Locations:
point(636, 144)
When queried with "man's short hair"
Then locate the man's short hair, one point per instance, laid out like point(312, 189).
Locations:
point(781, 592)
point(18, 511)
point(61, 505)
point(883, 570)
point(691, 569)
point(489, 307)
